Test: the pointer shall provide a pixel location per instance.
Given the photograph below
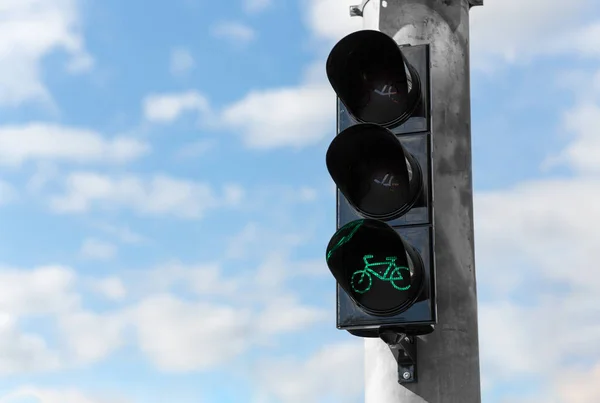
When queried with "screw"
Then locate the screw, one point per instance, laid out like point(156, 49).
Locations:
point(406, 375)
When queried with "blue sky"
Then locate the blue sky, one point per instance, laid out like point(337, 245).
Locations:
point(165, 203)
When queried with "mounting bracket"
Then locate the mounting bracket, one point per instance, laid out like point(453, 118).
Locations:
point(404, 350)
point(357, 10)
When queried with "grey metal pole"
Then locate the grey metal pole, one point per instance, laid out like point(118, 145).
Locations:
point(448, 359)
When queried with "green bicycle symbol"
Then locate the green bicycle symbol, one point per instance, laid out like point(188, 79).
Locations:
point(362, 280)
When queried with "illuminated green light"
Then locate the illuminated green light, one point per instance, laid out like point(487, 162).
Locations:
point(355, 225)
point(364, 283)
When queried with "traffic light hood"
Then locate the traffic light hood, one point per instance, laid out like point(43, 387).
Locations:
point(370, 75)
point(378, 177)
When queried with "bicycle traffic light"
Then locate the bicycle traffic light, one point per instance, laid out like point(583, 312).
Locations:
point(388, 275)
point(382, 254)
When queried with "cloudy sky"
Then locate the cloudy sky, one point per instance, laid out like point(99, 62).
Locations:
point(164, 202)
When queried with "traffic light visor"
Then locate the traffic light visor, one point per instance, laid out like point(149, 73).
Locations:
point(378, 177)
point(377, 269)
point(372, 78)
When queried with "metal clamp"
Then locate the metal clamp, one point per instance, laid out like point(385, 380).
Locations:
point(357, 11)
point(404, 350)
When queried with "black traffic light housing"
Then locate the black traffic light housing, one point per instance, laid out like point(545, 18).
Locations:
point(382, 255)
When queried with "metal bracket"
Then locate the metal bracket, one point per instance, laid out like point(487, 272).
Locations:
point(404, 350)
point(357, 11)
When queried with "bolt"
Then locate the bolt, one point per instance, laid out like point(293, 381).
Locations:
point(355, 11)
point(406, 375)
point(384, 3)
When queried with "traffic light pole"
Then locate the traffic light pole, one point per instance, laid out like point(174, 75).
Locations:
point(448, 358)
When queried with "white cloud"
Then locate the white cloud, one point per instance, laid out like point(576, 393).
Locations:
point(316, 74)
point(254, 239)
point(585, 40)
point(165, 108)
point(582, 153)
point(45, 141)
point(97, 249)
point(47, 289)
point(234, 32)
point(91, 337)
point(508, 356)
point(181, 61)
point(23, 352)
point(286, 195)
point(529, 29)
point(157, 195)
point(22, 50)
point(250, 313)
point(283, 117)
point(264, 281)
point(201, 279)
point(171, 332)
point(580, 386)
point(52, 292)
point(256, 6)
point(42, 291)
point(297, 381)
point(330, 19)
point(538, 216)
point(176, 333)
point(285, 314)
point(111, 288)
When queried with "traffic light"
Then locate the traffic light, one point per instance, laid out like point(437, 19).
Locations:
point(382, 254)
